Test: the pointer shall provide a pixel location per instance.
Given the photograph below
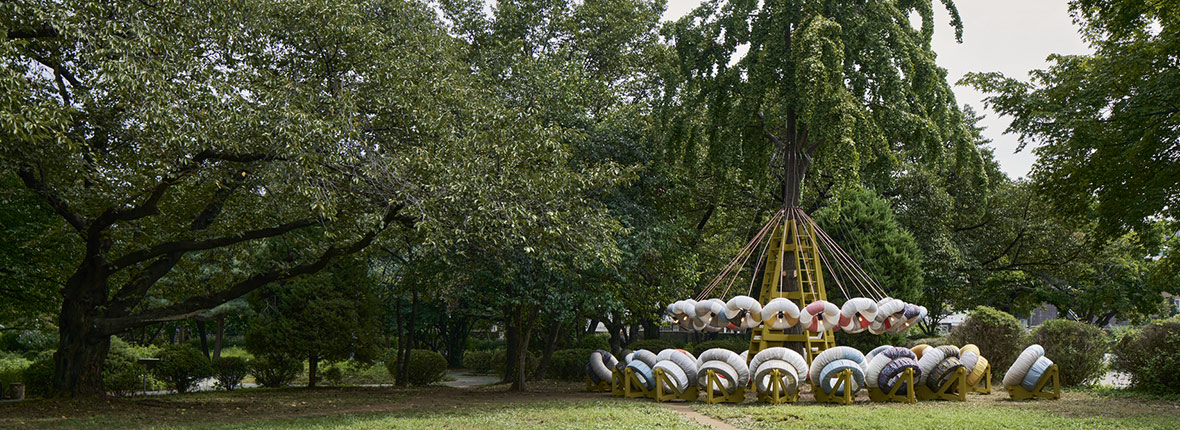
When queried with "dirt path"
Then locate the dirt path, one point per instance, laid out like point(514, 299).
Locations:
point(705, 420)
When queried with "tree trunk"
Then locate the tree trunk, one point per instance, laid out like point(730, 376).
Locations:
point(313, 363)
point(409, 344)
point(220, 335)
point(550, 346)
point(82, 347)
point(511, 336)
point(204, 336)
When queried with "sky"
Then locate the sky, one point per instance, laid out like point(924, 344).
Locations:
point(1009, 36)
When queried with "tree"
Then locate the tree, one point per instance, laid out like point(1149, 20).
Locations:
point(1104, 126)
point(328, 316)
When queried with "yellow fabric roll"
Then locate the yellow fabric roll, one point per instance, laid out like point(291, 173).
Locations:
point(918, 350)
point(969, 347)
point(977, 373)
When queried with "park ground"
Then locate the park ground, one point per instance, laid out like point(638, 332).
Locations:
point(566, 405)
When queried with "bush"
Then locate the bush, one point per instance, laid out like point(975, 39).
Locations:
point(568, 364)
point(274, 370)
point(181, 366)
point(121, 373)
point(932, 341)
point(12, 369)
point(596, 341)
point(478, 361)
point(1075, 347)
point(426, 367)
point(39, 375)
point(1151, 355)
point(999, 336)
point(229, 372)
point(735, 345)
point(865, 341)
point(333, 375)
point(485, 344)
point(500, 358)
point(653, 345)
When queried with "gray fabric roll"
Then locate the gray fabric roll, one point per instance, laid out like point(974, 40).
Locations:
point(643, 373)
point(726, 373)
point(742, 371)
point(831, 369)
point(833, 354)
point(1034, 374)
point(647, 357)
point(599, 366)
point(763, 374)
point(675, 374)
point(1023, 363)
point(682, 359)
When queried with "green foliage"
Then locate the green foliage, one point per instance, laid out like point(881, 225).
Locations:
point(863, 224)
point(485, 344)
point(274, 370)
point(12, 369)
point(121, 372)
point(426, 367)
point(653, 345)
point(999, 336)
point(334, 375)
point(38, 376)
point(932, 341)
point(596, 341)
point(1151, 355)
point(181, 366)
point(478, 361)
point(865, 341)
point(229, 372)
point(500, 365)
point(736, 345)
point(568, 364)
point(1075, 347)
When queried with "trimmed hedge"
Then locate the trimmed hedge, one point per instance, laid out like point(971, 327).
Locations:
point(274, 370)
point(229, 372)
point(653, 345)
point(735, 345)
point(1075, 347)
point(478, 361)
point(568, 364)
point(426, 367)
point(1151, 355)
point(500, 358)
point(999, 336)
point(39, 375)
point(181, 366)
point(596, 341)
point(121, 373)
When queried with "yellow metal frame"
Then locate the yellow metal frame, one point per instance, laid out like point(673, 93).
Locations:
point(843, 379)
point(713, 385)
point(1052, 374)
point(984, 386)
point(601, 386)
point(954, 389)
point(907, 380)
point(689, 394)
point(789, 241)
point(633, 388)
point(776, 393)
point(617, 379)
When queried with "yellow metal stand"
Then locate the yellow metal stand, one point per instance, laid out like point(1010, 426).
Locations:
point(599, 387)
point(776, 393)
point(954, 389)
point(1052, 374)
point(984, 386)
point(907, 380)
point(632, 387)
point(617, 380)
point(843, 379)
point(689, 394)
point(792, 256)
point(715, 391)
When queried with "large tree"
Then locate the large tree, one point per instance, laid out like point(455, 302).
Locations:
point(1105, 126)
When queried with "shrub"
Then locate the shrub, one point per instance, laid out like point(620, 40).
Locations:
point(274, 370)
point(568, 364)
point(229, 372)
point(121, 373)
point(653, 345)
point(500, 358)
point(999, 336)
point(1075, 347)
point(478, 361)
point(485, 344)
point(333, 375)
point(865, 341)
point(39, 375)
point(596, 341)
point(932, 341)
point(1151, 355)
point(426, 367)
point(12, 369)
point(735, 345)
point(181, 366)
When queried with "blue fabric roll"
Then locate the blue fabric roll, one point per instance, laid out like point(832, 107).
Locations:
point(831, 369)
point(643, 373)
point(1034, 375)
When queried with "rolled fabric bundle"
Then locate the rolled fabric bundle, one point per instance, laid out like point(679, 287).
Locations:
point(856, 314)
point(891, 374)
point(919, 349)
point(628, 355)
point(875, 351)
point(600, 365)
point(931, 357)
point(710, 313)
point(676, 376)
point(594, 379)
point(786, 370)
point(969, 348)
point(1034, 374)
point(900, 352)
point(943, 372)
point(643, 372)
point(969, 359)
point(1023, 363)
point(780, 314)
point(831, 369)
point(741, 374)
point(647, 357)
point(683, 312)
point(779, 353)
point(743, 312)
point(681, 358)
point(949, 351)
point(873, 369)
point(745, 355)
point(726, 373)
point(832, 354)
point(819, 316)
point(976, 373)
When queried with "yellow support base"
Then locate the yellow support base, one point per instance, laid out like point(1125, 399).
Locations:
point(689, 394)
point(954, 389)
point(601, 386)
point(907, 380)
point(1052, 375)
point(776, 393)
point(633, 388)
point(984, 386)
point(843, 379)
point(715, 391)
point(616, 383)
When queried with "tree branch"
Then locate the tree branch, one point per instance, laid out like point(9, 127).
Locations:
point(45, 31)
point(59, 205)
point(185, 246)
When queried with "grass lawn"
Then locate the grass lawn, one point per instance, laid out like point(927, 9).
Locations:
point(561, 405)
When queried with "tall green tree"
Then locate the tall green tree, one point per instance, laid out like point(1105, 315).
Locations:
point(1104, 126)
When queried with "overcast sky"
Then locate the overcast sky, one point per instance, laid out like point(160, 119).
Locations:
point(1009, 36)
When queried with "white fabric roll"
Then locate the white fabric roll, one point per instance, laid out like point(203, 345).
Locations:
point(709, 313)
point(833, 354)
point(743, 311)
point(969, 359)
point(873, 369)
point(1023, 363)
point(681, 358)
point(728, 375)
point(675, 374)
point(763, 374)
point(780, 314)
point(819, 316)
point(930, 359)
point(856, 314)
point(647, 357)
point(735, 361)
